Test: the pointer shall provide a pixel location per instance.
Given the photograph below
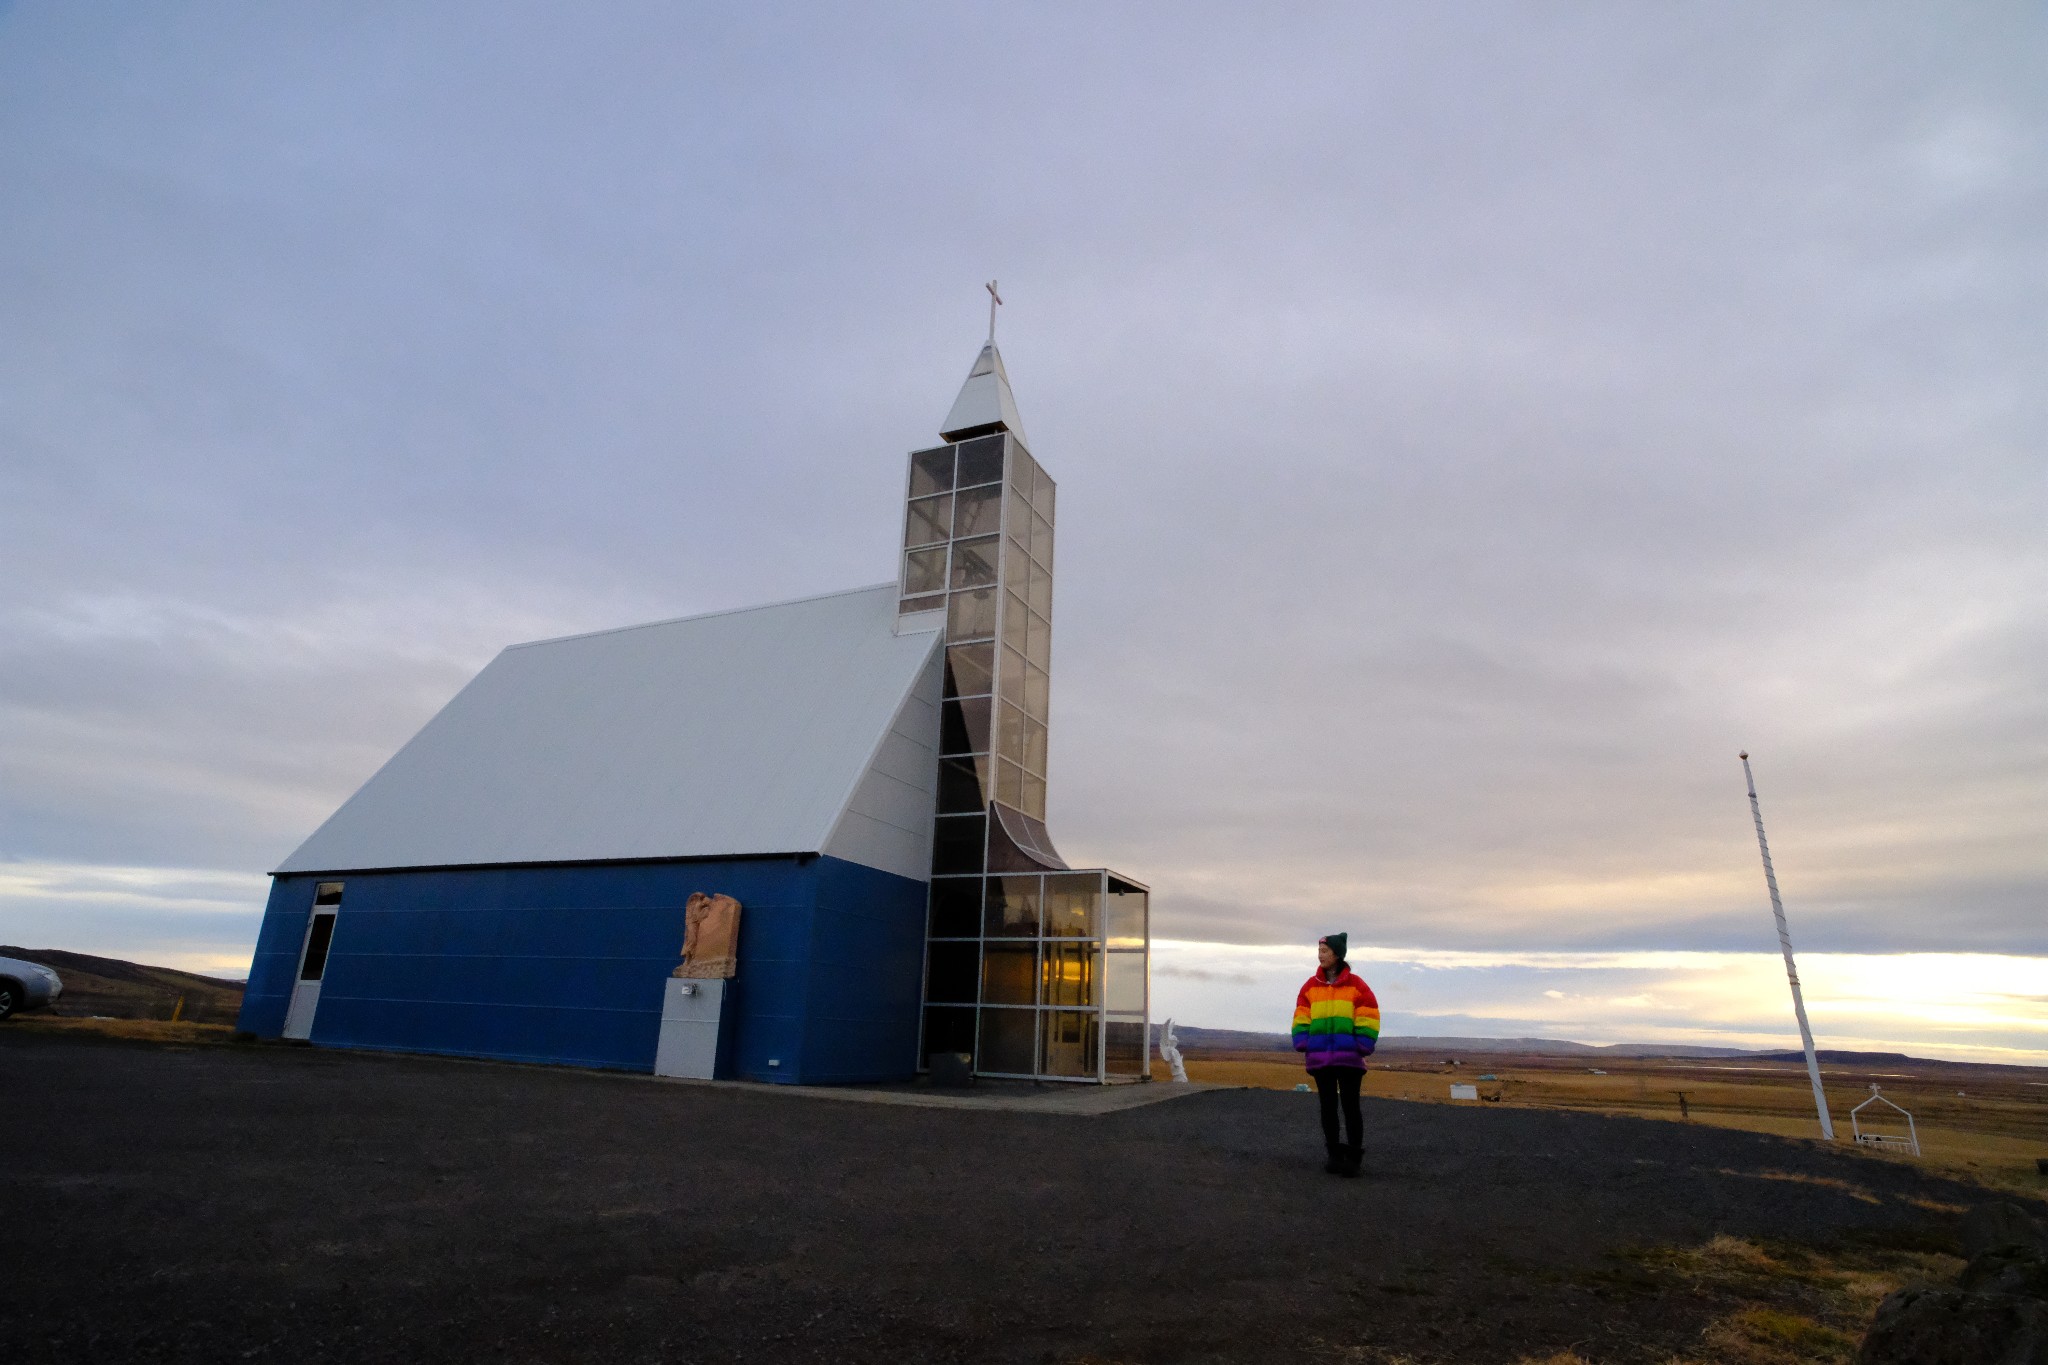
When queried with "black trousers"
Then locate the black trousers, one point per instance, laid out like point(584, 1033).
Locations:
point(1334, 1083)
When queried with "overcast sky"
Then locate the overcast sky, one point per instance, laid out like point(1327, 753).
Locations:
point(1474, 424)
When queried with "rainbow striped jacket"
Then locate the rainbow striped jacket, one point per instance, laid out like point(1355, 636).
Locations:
point(1337, 1023)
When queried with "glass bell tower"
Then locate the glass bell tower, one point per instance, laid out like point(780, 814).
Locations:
point(1036, 969)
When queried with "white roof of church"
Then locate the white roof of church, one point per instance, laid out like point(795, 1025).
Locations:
point(985, 399)
point(804, 727)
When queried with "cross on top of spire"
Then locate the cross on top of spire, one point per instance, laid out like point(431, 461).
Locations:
point(993, 299)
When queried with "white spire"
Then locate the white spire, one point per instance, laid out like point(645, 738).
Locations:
point(985, 402)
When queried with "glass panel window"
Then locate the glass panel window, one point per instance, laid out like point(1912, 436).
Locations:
point(1009, 783)
point(1041, 494)
point(1034, 796)
point(1016, 622)
point(931, 471)
point(977, 511)
point(1126, 1048)
point(981, 461)
point(961, 786)
point(1010, 722)
point(974, 562)
point(1123, 990)
point(1070, 904)
point(971, 615)
point(1011, 909)
point(1034, 746)
point(1012, 689)
point(327, 893)
point(1037, 690)
point(317, 940)
point(1023, 470)
point(1070, 1043)
point(958, 843)
point(924, 571)
point(930, 519)
point(1127, 907)
point(1069, 973)
point(969, 669)
point(1040, 593)
point(1038, 643)
point(935, 602)
point(963, 726)
point(1016, 565)
point(950, 972)
point(956, 907)
point(1009, 973)
point(1017, 519)
point(1041, 541)
point(1009, 1042)
point(948, 1029)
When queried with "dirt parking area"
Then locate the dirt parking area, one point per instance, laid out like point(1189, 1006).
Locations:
point(266, 1203)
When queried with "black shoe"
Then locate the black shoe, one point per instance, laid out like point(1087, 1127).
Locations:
point(1335, 1165)
point(1350, 1157)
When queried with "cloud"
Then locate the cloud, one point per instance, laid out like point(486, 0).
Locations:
point(1167, 969)
point(1465, 447)
point(198, 919)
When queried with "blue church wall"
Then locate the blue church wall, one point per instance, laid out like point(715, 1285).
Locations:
point(865, 992)
point(278, 940)
point(566, 964)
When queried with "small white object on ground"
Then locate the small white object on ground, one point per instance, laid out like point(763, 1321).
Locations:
point(1464, 1092)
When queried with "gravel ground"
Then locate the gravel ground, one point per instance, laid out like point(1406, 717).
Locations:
point(268, 1203)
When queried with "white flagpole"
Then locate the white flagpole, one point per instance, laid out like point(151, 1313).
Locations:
point(1820, 1097)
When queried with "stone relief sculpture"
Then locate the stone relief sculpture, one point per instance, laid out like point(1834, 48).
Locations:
point(711, 937)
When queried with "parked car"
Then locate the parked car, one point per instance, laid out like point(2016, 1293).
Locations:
point(26, 986)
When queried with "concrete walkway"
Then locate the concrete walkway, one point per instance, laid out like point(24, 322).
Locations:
point(1081, 1101)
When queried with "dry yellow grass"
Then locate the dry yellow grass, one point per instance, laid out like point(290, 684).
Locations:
point(1853, 1191)
point(1991, 1134)
point(1771, 1336)
point(1795, 1305)
point(131, 1030)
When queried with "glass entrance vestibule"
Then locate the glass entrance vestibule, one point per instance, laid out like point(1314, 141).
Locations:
point(1040, 975)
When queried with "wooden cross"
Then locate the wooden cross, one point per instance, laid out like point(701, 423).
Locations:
point(993, 299)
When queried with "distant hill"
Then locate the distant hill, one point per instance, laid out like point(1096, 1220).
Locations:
point(1557, 1047)
point(130, 990)
point(1226, 1039)
point(1199, 1040)
point(1836, 1055)
point(1236, 1040)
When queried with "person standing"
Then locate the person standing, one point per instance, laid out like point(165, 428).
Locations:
point(1337, 1024)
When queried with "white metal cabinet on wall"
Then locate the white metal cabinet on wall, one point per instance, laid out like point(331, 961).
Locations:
point(692, 1012)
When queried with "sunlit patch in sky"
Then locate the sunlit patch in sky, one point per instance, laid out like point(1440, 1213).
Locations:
point(1964, 1006)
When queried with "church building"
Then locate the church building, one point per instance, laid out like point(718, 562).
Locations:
point(864, 772)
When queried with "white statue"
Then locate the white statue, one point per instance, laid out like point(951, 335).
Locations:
point(1169, 1051)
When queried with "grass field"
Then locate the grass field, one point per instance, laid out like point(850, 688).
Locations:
point(128, 1030)
point(1984, 1123)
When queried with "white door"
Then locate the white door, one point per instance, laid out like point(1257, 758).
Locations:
point(298, 1019)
